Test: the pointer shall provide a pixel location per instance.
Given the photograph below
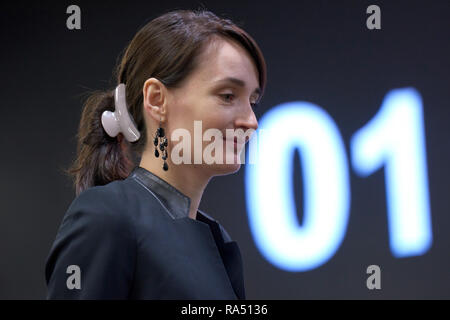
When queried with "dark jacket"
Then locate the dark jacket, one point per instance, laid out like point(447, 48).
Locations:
point(133, 239)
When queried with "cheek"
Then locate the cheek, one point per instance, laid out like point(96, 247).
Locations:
point(216, 121)
point(181, 116)
point(208, 111)
point(211, 117)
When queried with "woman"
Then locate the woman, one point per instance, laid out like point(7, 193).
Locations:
point(135, 231)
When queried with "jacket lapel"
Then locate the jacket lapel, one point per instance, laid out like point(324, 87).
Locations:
point(230, 254)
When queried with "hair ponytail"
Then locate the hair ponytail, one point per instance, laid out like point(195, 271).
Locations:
point(100, 158)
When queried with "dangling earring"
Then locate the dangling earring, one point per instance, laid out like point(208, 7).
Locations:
point(162, 145)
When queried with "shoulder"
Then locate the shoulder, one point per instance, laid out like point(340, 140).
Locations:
point(109, 195)
point(99, 207)
point(95, 216)
point(97, 235)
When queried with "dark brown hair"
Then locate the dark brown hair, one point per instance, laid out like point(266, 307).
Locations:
point(166, 48)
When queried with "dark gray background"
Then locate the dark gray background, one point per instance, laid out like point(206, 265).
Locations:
point(317, 51)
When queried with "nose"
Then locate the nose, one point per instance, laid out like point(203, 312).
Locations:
point(247, 120)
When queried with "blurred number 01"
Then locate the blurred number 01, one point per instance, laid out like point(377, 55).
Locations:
point(394, 138)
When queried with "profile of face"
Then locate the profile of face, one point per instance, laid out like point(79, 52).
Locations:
point(221, 93)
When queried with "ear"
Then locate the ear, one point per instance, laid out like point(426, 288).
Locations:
point(155, 98)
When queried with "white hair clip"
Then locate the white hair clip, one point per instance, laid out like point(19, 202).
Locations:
point(120, 120)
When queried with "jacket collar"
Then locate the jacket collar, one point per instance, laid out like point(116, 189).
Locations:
point(175, 202)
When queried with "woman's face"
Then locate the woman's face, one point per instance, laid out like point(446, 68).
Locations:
point(220, 93)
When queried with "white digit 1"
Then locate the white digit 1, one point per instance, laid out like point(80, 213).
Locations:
point(270, 200)
point(395, 138)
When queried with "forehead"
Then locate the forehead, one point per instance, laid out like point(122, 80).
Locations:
point(226, 58)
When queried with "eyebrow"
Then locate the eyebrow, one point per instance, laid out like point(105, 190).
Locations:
point(239, 83)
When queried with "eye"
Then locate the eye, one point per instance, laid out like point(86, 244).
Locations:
point(227, 96)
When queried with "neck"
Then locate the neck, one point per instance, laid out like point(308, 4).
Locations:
point(187, 178)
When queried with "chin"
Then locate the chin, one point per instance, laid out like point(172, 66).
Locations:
point(225, 169)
